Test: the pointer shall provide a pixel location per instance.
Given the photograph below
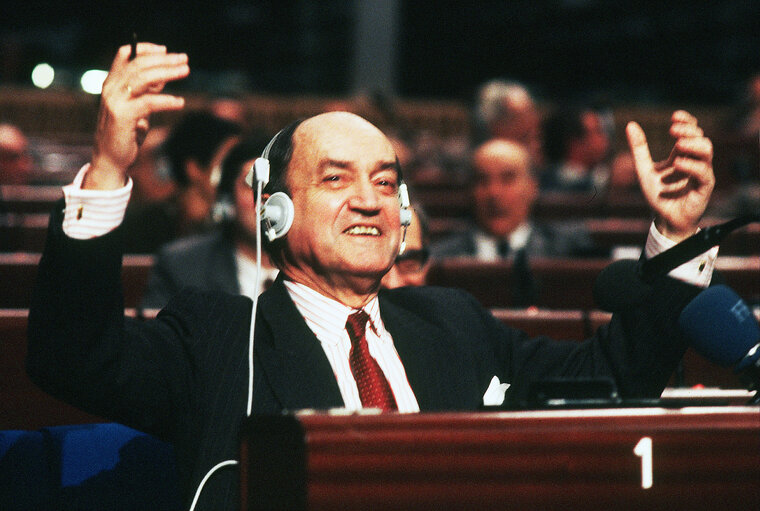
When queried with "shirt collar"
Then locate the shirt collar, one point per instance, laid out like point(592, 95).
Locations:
point(327, 317)
point(486, 244)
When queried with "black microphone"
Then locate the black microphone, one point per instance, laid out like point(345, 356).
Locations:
point(721, 327)
point(625, 283)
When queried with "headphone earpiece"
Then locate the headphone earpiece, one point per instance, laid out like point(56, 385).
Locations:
point(405, 215)
point(277, 215)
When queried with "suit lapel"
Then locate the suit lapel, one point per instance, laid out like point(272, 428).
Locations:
point(436, 366)
point(291, 355)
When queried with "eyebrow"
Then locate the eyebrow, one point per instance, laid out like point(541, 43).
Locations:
point(345, 164)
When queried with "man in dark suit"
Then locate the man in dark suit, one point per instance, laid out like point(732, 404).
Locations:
point(504, 192)
point(324, 330)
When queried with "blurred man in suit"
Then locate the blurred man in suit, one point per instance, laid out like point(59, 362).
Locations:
point(504, 192)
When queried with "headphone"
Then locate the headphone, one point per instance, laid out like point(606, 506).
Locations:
point(278, 212)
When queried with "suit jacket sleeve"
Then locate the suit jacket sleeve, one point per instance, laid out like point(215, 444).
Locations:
point(83, 350)
point(639, 348)
point(452, 347)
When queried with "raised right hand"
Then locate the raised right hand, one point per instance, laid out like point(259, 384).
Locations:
point(131, 93)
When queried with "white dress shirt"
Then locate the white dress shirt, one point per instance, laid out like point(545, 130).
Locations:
point(327, 319)
point(487, 246)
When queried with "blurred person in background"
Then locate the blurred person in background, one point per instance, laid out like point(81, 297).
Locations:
point(16, 162)
point(223, 259)
point(742, 140)
point(576, 146)
point(193, 150)
point(411, 267)
point(507, 110)
point(504, 192)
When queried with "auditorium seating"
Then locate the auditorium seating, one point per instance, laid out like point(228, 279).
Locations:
point(615, 232)
point(29, 198)
point(23, 232)
point(561, 283)
point(565, 283)
point(557, 324)
point(18, 272)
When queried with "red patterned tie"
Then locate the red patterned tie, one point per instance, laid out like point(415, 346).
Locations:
point(374, 390)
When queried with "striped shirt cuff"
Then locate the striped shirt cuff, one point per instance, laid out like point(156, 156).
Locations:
point(92, 213)
point(698, 271)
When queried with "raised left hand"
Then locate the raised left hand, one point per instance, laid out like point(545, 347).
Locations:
point(678, 189)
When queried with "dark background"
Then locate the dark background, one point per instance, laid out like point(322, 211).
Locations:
point(664, 51)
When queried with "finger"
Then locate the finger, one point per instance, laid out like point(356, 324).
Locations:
point(695, 168)
point(678, 183)
point(142, 49)
point(151, 103)
point(152, 60)
point(682, 116)
point(637, 141)
point(124, 74)
point(153, 79)
point(142, 127)
point(700, 148)
point(681, 130)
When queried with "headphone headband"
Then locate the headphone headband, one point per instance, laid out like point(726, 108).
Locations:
point(268, 148)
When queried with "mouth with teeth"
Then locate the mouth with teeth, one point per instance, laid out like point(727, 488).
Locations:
point(362, 230)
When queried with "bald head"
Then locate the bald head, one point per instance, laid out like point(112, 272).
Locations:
point(336, 134)
point(505, 189)
point(504, 151)
point(334, 128)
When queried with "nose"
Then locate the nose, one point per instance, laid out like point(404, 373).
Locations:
point(365, 197)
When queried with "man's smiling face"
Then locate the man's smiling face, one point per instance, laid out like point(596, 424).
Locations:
point(343, 181)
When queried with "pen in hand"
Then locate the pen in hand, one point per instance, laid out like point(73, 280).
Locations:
point(133, 46)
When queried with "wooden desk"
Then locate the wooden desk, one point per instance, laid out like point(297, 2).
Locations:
point(699, 459)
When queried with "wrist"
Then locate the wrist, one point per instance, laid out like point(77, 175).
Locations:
point(104, 175)
point(674, 233)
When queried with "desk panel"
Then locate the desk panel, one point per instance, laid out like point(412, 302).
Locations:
point(699, 458)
